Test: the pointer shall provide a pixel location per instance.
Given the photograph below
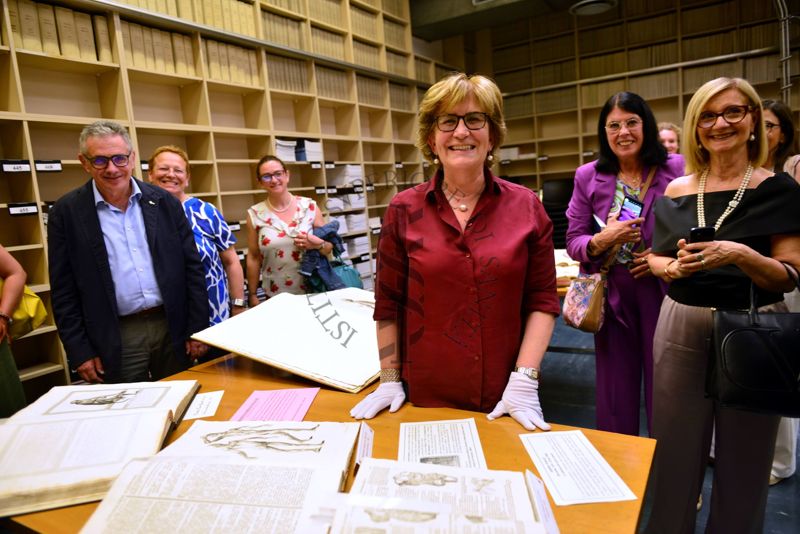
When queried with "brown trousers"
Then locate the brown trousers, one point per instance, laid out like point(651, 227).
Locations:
point(682, 424)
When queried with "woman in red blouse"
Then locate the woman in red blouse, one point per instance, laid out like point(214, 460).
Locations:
point(465, 300)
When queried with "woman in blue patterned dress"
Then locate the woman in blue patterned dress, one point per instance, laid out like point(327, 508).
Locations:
point(169, 169)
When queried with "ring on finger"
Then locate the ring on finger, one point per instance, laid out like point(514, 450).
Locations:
point(700, 257)
point(703, 263)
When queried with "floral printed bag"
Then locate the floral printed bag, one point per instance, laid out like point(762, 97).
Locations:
point(585, 302)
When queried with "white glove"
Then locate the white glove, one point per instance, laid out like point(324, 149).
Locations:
point(521, 401)
point(389, 394)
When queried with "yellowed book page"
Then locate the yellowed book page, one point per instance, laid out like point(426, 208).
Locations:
point(47, 27)
point(126, 43)
point(137, 46)
point(185, 9)
point(147, 41)
point(169, 58)
point(158, 49)
point(83, 27)
point(179, 54)
point(102, 38)
point(13, 14)
point(191, 65)
point(212, 51)
point(29, 24)
point(67, 33)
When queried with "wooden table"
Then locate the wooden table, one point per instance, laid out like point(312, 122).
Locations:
point(238, 376)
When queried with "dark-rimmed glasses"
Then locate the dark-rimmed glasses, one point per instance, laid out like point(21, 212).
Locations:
point(474, 120)
point(615, 126)
point(770, 125)
point(269, 176)
point(731, 114)
point(101, 162)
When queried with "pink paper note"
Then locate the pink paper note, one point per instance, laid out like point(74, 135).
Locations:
point(276, 405)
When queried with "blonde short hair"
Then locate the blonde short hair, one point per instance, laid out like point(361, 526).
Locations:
point(695, 154)
point(451, 91)
point(671, 127)
point(175, 150)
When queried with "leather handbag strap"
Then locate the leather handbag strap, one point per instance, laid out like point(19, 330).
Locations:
point(646, 186)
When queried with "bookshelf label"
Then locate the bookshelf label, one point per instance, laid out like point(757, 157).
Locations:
point(316, 165)
point(320, 190)
point(505, 161)
point(145, 166)
point(331, 190)
point(543, 158)
point(376, 231)
point(10, 165)
point(241, 256)
point(370, 187)
point(48, 166)
point(235, 227)
point(588, 153)
point(23, 208)
point(398, 165)
point(329, 165)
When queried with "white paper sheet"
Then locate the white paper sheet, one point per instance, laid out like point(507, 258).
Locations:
point(541, 506)
point(453, 442)
point(204, 405)
point(573, 469)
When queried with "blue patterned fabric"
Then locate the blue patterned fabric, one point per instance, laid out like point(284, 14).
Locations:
point(211, 235)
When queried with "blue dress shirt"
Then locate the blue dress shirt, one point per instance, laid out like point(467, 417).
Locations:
point(129, 258)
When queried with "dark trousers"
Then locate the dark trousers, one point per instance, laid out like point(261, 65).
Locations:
point(12, 396)
point(682, 423)
point(147, 352)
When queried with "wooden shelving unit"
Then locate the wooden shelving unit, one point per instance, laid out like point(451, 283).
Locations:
point(232, 82)
point(557, 71)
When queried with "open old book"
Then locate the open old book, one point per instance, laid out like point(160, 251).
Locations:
point(326, 337)
point(68, 446)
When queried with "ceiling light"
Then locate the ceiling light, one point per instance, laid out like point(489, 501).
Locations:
point(592, 7)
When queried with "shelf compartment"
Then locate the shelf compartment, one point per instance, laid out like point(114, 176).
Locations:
point(337, 119)
point(557, 125)
point(555, 48)
point(398, 63)
point(406, 153)
point(654, 86)
point(294, 114)
point(396, 35)
point(596, 94)
point(375, 123)
point(403, 125)
point(554, 73)
point(241, 147)
point(364, 23)
point(366, 54)
point(196, 144)
point(341, 150)
point(304, 176)
point(20, 230)
point(38, 354)
point(167, 102)
point(694, 77)
point(32, 259)
point(284, 30)
point(401, 97)
point(380, 175)
point(381, 152)
point(54, 185)
point(557, 100)
point(238, 108)
point(423, 69)
point(328, 43)
point(234, 205)
point(371, 91)
point(90, 90)
point(237, 176)
point(16, 187)
point(202, 181)
point(294, 7)
point(653, 56)
point(287, 74)
point(334, 83)
point(9, 90)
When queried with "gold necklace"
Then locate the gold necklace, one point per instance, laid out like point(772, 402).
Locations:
point(636, 181)
point(276, 210)
point(461, 204)
point(737, 197)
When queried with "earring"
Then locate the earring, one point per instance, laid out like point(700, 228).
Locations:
point(490, 157)
point(435, 160)
point(752, 137)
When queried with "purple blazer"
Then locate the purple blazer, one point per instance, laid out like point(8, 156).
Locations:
point(594, 194)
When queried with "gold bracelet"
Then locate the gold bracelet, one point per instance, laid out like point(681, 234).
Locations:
point(390, 375)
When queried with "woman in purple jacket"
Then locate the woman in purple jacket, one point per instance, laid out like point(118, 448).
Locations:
point(632, 161)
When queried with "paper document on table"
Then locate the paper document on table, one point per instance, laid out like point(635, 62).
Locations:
point(209, 495)
point(390, 496)
point(325, 337)
point(276, 405)
point(454, 442)
point(541, 506)
point(573, 470)
point(204, 405)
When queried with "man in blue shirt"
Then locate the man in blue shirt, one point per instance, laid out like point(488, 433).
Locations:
point(127, 285)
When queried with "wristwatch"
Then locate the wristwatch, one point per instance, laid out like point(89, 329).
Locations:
point(8, 318)
point(530, 372)
point(239, 303)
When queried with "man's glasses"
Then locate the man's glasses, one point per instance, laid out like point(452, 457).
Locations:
point(268, 177)
point(474, 120)
point(770, 125)
point(101, 162)
point(731, 114)
point(615, 126)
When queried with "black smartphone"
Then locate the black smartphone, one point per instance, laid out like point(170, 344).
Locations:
point(631, 209)
point(701, 233)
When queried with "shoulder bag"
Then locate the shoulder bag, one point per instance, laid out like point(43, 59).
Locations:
point(756, 360)
point(28, 316)
point(585, 301)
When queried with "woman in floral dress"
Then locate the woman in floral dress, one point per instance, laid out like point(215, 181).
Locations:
point(279, 230)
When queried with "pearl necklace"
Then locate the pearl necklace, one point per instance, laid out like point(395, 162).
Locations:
point(701, 188)
point(462, 206)
point(276, 210)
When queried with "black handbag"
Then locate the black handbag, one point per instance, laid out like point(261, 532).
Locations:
point(756, 360)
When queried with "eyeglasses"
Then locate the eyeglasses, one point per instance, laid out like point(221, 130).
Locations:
point(475, 120)
point(731, 114)
point(770, 125)
point(101, 162)
point(268, 177)
point(615, 126)
point(176, 171)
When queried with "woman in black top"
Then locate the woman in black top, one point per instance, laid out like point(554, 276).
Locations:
point(754, 214)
